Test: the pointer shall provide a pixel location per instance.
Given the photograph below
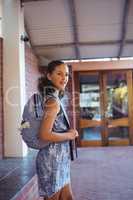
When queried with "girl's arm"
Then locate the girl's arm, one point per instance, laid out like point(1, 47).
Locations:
point(52, 108)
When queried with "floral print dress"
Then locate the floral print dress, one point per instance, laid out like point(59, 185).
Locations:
point(53, 161)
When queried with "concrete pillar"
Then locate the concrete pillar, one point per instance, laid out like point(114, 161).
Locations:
point(0, 18)
point(14, 77)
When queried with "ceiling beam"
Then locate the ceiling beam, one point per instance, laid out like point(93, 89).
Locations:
point(74, 26)
point(25, 1)
point(129, 41)
point(124, 27)
point(117, 42)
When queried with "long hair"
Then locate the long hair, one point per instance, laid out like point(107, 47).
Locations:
point(45, 86)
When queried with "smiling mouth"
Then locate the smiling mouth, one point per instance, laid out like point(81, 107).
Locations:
point(62, 83)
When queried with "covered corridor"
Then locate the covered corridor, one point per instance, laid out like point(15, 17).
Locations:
point(95, 38)
point(102, 173)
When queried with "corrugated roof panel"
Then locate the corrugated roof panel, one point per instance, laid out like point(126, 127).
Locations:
point(128, 50)
point(99, 33)
point(130, 15)
point(52, 35)
point(101, 51)
point(49, 22)
point(99, 20)
point(57, 53)
point(129, 34)
point(46, 13)
point(99, 11)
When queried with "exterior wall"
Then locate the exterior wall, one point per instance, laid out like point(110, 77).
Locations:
point(32, 72)
point(1, 98)
point(13, 76)
point(32, 75)
point(102, 65)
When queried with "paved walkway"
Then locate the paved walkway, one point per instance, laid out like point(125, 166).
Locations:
point(103, 173)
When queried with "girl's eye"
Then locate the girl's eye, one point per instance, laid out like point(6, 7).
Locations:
point(61, 74)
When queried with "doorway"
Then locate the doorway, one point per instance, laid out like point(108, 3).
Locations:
point(105, 105)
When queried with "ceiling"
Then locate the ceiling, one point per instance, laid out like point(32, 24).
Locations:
point(79, 29)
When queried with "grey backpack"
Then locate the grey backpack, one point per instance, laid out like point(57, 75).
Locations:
point(31, 121)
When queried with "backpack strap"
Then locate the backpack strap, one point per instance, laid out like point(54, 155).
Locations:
point(41, 101)
point(35, 104)
point(38, 104)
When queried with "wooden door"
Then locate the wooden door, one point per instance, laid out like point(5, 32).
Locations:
point(118, 116)
point(103, 120)
point(90, 121)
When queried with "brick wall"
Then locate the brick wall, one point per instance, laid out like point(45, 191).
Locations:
point(30, 190)
point(32, 72)
point(1, 98)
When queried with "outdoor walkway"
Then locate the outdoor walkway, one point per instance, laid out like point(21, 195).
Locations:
point(101, 173)
point(15, 173)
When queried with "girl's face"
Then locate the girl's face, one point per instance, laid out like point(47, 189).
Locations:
point(59, 77)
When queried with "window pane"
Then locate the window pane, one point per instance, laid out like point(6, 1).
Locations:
point(117, 96)
point(93, 133)
point(118, 133)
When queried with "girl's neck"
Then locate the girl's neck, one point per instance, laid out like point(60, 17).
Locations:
point(54, 90)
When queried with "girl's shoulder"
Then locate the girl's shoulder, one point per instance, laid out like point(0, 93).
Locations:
point(52, 102)
point(52, 97)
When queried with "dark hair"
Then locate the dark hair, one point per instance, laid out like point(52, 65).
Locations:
point(53, 64)
point(45, 86)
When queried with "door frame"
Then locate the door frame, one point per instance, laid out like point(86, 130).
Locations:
point(108, 123)
point(103, 98)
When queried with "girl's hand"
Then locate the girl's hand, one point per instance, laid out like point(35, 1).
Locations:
point(72, 134)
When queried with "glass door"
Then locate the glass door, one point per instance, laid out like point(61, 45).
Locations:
point(90, 114)
point(106, 108)
point(116, 98)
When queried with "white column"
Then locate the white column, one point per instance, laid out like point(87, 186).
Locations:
point(14, 77)
point(0, 18)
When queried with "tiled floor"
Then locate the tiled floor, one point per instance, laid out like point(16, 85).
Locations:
point(103, 173)
point(14, 174)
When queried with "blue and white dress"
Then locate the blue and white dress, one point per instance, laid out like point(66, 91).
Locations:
point(53, 161)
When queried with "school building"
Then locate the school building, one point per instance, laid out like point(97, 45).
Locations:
point(95, 39)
